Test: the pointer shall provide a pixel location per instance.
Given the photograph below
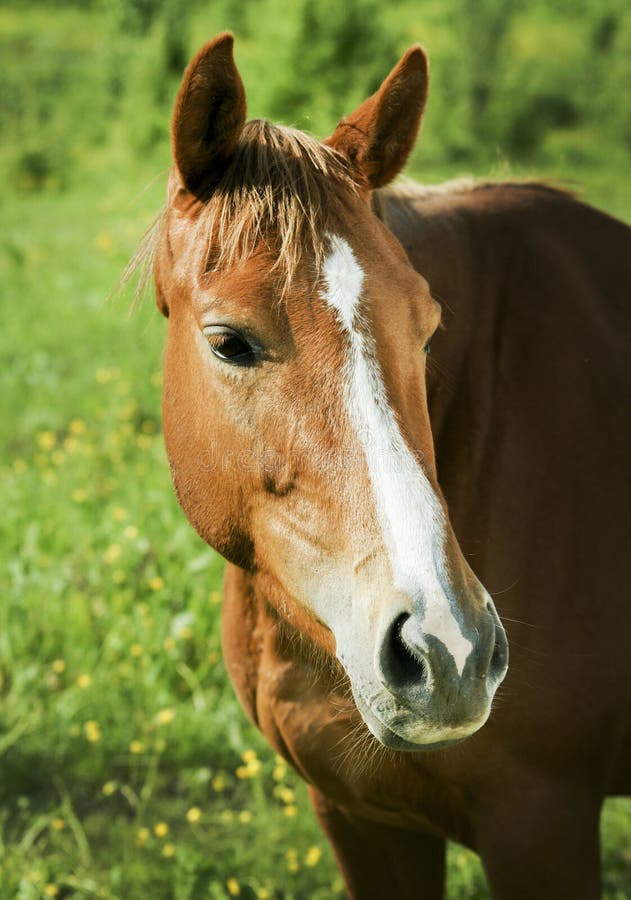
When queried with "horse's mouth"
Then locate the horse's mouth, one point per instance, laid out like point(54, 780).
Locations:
point(393, 740)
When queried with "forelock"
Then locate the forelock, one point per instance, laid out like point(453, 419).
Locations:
point(279, 190)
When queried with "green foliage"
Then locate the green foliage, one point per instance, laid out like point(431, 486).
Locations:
point(537, 84)
point(116, 714)
point(345, 49)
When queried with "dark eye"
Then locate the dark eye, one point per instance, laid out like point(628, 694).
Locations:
point(427, 347)
point(229, 346)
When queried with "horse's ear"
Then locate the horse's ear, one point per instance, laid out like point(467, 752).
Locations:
point(209, 115)
point(378, 137)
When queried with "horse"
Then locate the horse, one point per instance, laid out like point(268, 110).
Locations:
point(308, 429)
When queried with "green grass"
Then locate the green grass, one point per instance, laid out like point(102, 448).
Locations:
point(128, 768)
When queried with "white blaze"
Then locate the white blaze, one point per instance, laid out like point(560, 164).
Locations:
point(409, 513)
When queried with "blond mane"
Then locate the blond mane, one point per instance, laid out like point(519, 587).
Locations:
point(277, 190)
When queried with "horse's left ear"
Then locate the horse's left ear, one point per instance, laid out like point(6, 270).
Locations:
point(378, 137)
point(209, 115)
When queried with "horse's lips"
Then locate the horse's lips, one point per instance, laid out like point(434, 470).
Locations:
point(393, 741)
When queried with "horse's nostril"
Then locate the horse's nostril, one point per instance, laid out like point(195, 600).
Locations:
point(402, 664)
point(499, 657)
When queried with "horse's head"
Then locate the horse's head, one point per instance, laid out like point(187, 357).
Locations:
point(295, 408)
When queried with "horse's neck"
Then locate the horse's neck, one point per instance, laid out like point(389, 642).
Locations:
point(438, 242)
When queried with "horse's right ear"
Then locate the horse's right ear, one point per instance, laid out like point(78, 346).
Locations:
point(209, 115)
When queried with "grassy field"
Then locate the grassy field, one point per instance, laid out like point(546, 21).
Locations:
point(128, 769)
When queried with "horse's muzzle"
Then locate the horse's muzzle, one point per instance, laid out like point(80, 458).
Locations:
point(431, 700)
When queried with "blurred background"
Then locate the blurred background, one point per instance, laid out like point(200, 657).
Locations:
point(127, 768)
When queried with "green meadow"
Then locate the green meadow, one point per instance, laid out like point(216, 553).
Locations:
point(127, 768)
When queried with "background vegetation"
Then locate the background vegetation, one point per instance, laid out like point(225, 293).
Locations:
point(127, 767)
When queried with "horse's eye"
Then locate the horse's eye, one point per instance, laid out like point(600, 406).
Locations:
point(229, 346)
point(427, 347)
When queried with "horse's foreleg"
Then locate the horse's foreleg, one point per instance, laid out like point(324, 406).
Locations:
point(542, 843)
point(380, 862)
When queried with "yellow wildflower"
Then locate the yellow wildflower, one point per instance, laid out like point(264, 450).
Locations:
point(290, 811)
point(165, 716)
point(252, 765)
point(112, 553)
point(313, 857)
point(136, 747)
point(136, 650)
point(245, 816)
point(77, 426)
point(79, 496)
point(109, 788)
point(286, 795)
point(215, 597)
point(58, 824)
point(51, 890)
point(218, 783)
point(194, 814)
point(104, 242)
point(168, 850)
point(84, 681)
point(131, 532)
point(168, 643)
point(142, 836)
point(92, 731)
point(58, 666)
point(186, 633)
point(46, 440)
point(161, 829)
point(233, 887)
point(156, 583)
point(119, 514)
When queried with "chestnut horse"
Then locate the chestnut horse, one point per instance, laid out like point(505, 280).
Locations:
point(302, 295)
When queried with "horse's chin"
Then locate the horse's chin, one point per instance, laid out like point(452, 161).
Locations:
point(394, 740)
